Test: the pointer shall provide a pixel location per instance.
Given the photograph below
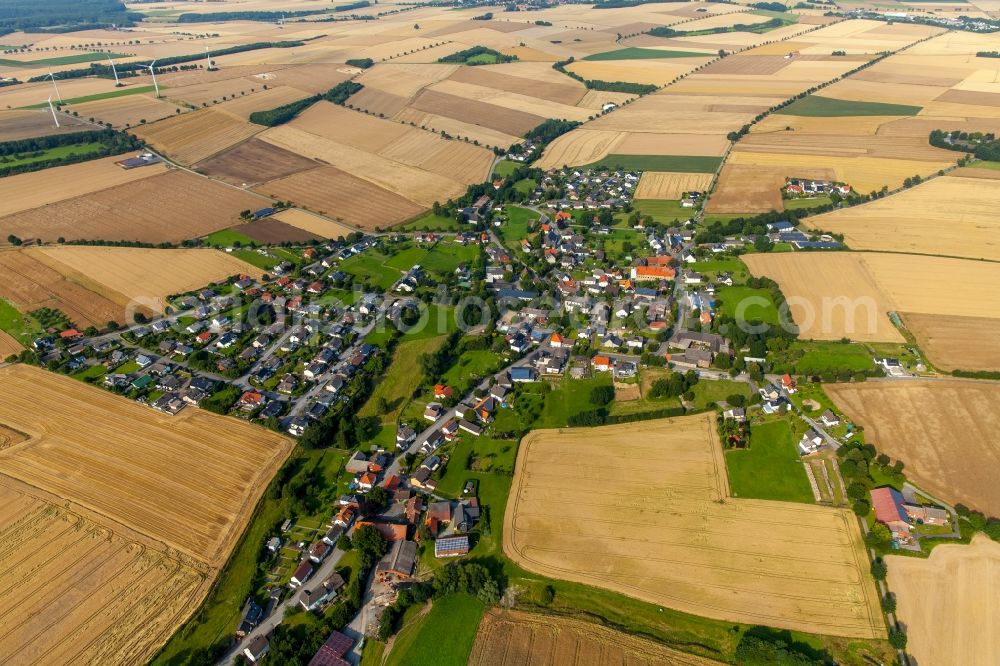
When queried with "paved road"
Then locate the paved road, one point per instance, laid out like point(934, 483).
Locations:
point(325, 570)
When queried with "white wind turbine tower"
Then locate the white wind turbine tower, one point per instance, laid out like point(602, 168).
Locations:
point(153, 74)
point(53, 77)
point(55, 119)
point(208, 56)
point(114, 71)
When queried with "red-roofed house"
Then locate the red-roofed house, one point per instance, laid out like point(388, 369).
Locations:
point(556, 340)
point(441, 391)
point(888, 505)
point(71, 334)
point(389, 531)
point(641, 273)
point(788, 383)
point(392, 483)
point(331, 653)
point(601, 363)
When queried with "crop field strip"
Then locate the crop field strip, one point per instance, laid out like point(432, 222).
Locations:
point(514, 638)
point(552, 520)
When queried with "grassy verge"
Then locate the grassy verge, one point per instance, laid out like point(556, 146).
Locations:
point(138, 90)
point(59, 60)
point(636, 53)
point(441, 637)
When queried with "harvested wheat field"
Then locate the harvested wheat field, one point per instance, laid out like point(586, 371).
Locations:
point(517, 638)
point(193, 137)
point(830, 295)
point(339, 195)
point(750, 189)
point(862, 172)
point(955, 342)
point(30, 285)
point(947, 432)
point(664, 185)
point(952, 216)
point(579, 147)
point(110, 538)
point(172, 206)
point(949, 603)
point(142, 275)
point(254, 162)
point(130, 464)
point(9, 345)
point(27, 123)
point(314, 224)
point(131, 110)
point(38, 188)
point(77, 591)
point(419, 185)
point(794, 566)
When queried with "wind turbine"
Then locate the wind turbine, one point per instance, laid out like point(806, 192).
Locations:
point(208, 56)
point(114, 71)
point(53, 77)
point(53, 110)
point(153, 74)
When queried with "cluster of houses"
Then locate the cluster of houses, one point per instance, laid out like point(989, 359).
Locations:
point(804, 187)
point(586, 189)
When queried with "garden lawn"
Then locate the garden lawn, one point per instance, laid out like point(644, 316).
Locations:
point(770, 469)
point(806, 203)
point(663, 210)
point(708, 392)
point(432, 222)
point(228, 238)
point(440, 321)
point(471, 367)
point(569, 397)
point(818, 106)
point(21, 327)
point(684, 163)
point(401, 378)
point(762, 308)
point(505, 167)
point(444, 257)
point(815, 356)
point(370, 266)
point(441, 637)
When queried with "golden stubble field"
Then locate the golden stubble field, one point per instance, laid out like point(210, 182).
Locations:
point(947, 432)
point(110, 535)
point(825, 291)
point(669, 533)
point(949, 603)
point(516, 638)
point(951, 216)
point(143, 276)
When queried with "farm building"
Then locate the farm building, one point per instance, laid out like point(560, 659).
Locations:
point(888, 504)
point(401, 561)
point(332, 652)
point(451, 546)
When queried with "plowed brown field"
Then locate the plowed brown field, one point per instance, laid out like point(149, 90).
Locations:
point(671, 534)
point(254, 162)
